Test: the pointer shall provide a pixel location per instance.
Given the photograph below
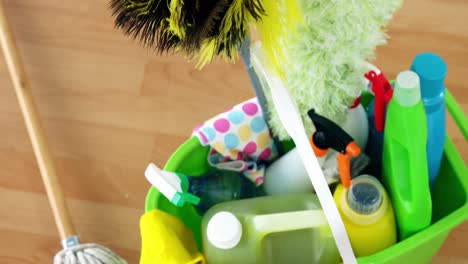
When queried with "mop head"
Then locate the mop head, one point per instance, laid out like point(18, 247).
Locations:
point(87, 254)
point(322, 59)
point(197, 28)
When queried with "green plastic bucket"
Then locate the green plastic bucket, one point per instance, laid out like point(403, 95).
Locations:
point(449, 197)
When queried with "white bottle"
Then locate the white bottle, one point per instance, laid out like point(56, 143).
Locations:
point(288, 174)
point(357, 125)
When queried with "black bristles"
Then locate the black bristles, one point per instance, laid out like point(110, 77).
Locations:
point(204, 23)
point(193, 24)
point(255, 8)
point(145, 20)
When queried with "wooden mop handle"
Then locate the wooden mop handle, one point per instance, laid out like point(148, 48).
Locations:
point(35, 131)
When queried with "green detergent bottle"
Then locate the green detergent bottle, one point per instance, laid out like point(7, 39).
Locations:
point(405, 171)
point(268, 230)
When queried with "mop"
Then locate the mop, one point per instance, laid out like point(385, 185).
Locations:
point(73, 251)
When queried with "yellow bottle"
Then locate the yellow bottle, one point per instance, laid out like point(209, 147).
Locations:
point(367, 214)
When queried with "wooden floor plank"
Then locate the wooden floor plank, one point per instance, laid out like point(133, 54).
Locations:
point(110, 107)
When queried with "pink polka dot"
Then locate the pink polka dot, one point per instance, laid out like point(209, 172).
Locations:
point(265, 154)
point(250, 148)
point(222, 125)
point(250, 109)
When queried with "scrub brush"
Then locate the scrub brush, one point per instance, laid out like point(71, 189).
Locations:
point(319, 49)
point(197, 28)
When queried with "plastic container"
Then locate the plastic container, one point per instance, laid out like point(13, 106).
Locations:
point(274, 229)
point(404, 161)
point(449, 197)
point(221, 186)
point(432, 71)
point(288, 174)
point(367, 214)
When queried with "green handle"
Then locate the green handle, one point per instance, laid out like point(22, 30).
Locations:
point(457, 114)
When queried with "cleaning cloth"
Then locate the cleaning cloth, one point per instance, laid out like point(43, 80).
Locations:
point(240, 140)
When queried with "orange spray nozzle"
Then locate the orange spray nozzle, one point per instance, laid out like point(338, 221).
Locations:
point(343, 159)
point(329, 135)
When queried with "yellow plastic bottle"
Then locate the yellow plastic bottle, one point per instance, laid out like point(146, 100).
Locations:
point(367, 214)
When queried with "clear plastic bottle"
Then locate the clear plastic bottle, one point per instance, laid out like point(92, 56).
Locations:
point(221, 186)
point(273, 229)
point(203, 192)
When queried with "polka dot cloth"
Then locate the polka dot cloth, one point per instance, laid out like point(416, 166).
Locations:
point(239, 133)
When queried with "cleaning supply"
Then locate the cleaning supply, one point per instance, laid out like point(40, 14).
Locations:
point(383, 92)
point(432, 70)
point(203, 192)
point(239, 134)
point(73, 251)
point(207, 29)
point(329, 135)
point(356, 124)
point(288, 174)
point(405, 171)
point(273, 229)
point(165, 239)
point(320, 62)
point(367, 214)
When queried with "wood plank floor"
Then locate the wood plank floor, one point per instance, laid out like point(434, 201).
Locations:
point(110, 107)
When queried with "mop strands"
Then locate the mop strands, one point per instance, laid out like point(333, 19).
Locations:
point(77, 253)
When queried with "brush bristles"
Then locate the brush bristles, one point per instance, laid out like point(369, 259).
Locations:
point(145, 20)
point(207, 28)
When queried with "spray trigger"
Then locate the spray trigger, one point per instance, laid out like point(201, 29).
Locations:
point(383, 93)
point(330, 135)
point(173, 186)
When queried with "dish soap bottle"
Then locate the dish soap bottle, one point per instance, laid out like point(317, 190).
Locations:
point(273, 229)
point(432, 71)
point(367, 214)
point(405, 171)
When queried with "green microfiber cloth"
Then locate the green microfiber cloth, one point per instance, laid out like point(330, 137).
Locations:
point(324, 59)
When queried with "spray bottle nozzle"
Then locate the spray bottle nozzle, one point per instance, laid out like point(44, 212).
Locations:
point(383, 93)
point(330, 135)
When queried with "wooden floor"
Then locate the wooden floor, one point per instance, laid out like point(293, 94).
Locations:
point(110, 107)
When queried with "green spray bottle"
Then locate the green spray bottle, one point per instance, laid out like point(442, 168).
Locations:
point(405, 171)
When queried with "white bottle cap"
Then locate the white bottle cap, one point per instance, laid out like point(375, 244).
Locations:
point(224, 230)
